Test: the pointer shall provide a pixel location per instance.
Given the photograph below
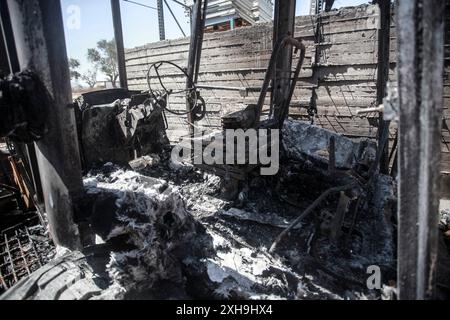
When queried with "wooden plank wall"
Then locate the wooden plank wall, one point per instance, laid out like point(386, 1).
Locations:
point(343, 77)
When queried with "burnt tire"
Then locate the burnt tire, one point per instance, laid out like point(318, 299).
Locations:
point(74, 276)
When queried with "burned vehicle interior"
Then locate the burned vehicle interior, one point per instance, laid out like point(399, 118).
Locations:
point(137, 192)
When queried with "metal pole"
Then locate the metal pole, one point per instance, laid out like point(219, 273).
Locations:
point(162, 27)
point(196, 34)
point(420, 25)
point(39, 38)
point(284, 25)
point(118, 35)
point(384, 39)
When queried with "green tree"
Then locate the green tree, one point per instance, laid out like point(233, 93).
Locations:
point(74, 65)
point(104, 57)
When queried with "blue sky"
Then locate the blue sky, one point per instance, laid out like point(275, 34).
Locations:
point(140, 24)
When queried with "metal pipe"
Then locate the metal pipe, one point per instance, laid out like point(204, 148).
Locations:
point(39, 39)
point(118, 36)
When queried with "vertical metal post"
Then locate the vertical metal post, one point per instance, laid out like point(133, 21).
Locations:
point(39, 39)
point(118, 35)
point(384, 39)
point(194, 55)
point(284, 25)
point(420, 25)
point(161, 24)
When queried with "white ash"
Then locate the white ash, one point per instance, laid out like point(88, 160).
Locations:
point(156, 223)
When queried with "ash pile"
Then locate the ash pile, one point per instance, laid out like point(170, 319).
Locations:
point(167, 230)
point(188, 240)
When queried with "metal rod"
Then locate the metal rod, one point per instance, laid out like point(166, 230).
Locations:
point(420, 32)
point(39, 38)
point(175, 18)
point(182, 4)
point(309, 210)
point(118, 36)
point(271, 69)
point(192, 59)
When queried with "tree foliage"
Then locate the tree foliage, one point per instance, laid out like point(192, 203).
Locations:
point(104, 57)
point(74, 65)
point(90, 77)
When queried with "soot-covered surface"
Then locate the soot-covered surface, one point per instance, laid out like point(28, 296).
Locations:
point(210, 247)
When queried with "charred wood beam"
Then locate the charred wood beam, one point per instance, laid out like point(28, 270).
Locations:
point(39, 39)
point(118, 36)
point(420, 25)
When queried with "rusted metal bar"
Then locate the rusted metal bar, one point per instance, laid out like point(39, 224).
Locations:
point(118, 36)
point(39, 39)
point(384, 40)
point(420, 25)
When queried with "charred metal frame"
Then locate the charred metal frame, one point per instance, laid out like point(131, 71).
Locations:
point(39, 39)
point(41, 48)
point(420, 28)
